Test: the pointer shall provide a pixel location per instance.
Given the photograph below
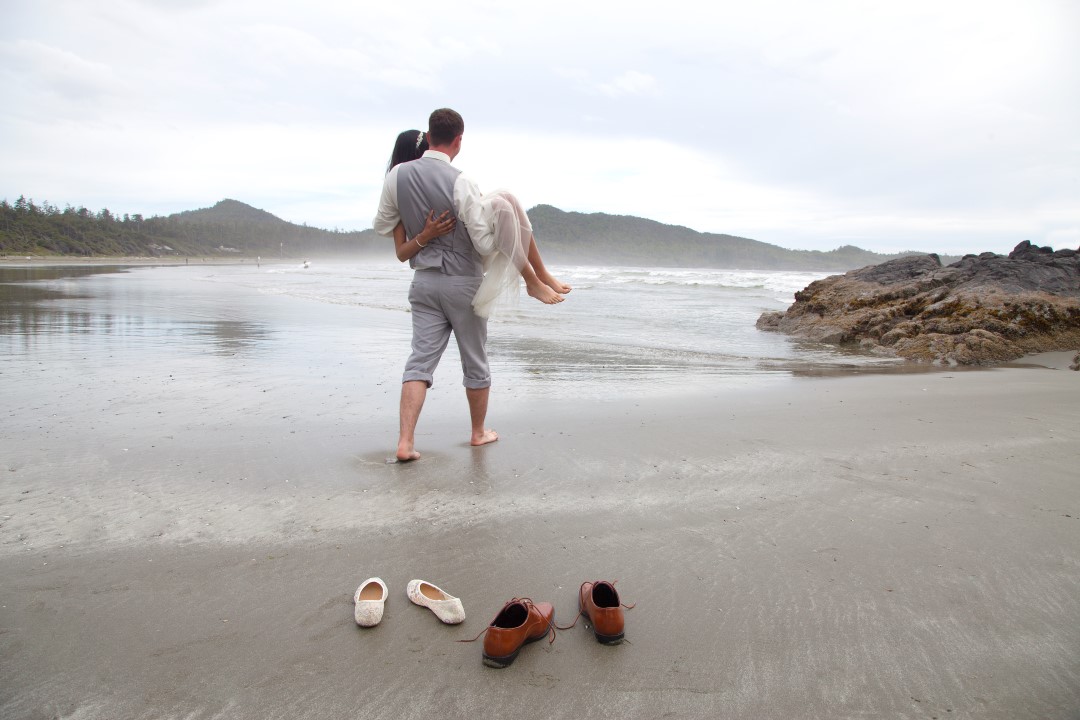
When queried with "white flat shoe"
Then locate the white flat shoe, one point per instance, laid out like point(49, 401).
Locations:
point(446, 607)
point(370, 598)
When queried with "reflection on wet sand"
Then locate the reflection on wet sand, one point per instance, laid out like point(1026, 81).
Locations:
point(38, 309)
point(35, 273)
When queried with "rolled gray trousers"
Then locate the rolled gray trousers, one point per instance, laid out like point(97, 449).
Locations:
point(442, 304)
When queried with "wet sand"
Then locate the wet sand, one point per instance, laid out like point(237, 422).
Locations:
point(182, 542)
point(15, 261)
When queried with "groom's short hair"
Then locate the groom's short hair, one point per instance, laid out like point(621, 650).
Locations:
point(443, 126)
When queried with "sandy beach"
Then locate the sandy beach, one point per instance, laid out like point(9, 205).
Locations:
point(181, 536)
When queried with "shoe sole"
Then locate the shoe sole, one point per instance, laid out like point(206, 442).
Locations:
point(609, 639)
point(503, 662)
point(602, 639)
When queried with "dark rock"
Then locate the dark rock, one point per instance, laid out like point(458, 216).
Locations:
point(979, 310)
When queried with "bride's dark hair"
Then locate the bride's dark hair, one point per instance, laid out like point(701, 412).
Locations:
point(410, 145)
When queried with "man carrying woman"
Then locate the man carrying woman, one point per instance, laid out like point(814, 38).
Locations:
point(421, 203)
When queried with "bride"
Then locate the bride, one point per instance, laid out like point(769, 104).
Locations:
point(511, 253)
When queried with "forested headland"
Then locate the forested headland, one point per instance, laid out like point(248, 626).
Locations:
point(234, 229)
point(229, 228)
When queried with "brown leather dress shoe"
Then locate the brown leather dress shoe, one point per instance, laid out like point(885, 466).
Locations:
point(599, 602)
point(520, 621)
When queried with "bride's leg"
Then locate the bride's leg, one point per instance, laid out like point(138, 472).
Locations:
point(541, 270)
point(511, 230)
point(537, 288)
point(534, 266)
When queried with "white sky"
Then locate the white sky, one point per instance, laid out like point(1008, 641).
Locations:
point(947, 126)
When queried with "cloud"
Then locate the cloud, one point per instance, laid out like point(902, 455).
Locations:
point(630, 82)
point(38, 77)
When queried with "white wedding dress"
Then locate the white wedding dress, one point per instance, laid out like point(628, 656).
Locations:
point(507, 253)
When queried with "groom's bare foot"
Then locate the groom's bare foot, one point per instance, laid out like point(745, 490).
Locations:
point(405, 453)
point(488, 436)
point(543, 293)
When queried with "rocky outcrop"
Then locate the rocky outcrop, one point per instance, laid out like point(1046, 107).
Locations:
point(982, 309)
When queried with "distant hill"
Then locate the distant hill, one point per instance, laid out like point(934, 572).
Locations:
point(599, 238)
point(230, 212)
point(232, 228)
point(250, 231)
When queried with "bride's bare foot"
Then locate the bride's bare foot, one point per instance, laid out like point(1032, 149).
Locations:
point(488, 436)
point(543, 293)
point(552, 282)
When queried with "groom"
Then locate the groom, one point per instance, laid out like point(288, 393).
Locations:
point(448, 272)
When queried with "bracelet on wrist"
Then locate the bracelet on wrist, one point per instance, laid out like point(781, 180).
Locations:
point(420, 243)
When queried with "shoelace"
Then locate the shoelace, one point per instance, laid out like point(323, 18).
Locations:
point(578, 617)
point(529, 605)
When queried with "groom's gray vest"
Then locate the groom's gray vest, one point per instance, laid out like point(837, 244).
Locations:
point(428, 184)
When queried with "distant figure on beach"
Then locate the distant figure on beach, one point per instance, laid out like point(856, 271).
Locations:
point(420, 205)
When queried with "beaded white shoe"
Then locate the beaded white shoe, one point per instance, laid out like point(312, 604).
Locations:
point(445, 606)
point(370, 598)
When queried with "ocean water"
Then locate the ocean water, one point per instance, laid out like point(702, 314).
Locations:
point(622, 330)
point(620, 326)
